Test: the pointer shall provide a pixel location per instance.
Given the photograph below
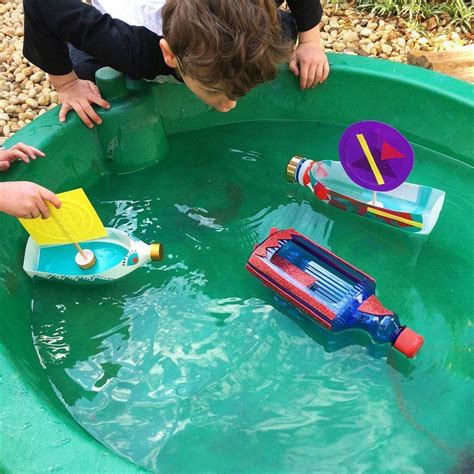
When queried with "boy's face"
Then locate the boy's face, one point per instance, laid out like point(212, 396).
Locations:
point(212, 96)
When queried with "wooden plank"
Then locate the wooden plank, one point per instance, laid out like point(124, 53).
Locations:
point(458, 63)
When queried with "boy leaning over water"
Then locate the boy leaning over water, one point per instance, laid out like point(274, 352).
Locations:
point(220, 49)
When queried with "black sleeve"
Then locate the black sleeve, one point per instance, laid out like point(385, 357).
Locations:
point(306, 13)
point(50, 24)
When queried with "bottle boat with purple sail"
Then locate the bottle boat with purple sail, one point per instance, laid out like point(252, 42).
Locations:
point(369, 180)
point(410, 207)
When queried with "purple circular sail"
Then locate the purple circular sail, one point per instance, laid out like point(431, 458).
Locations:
point(375, 155)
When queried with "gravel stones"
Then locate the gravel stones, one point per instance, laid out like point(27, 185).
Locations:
point(363, 33)
point(22, 85)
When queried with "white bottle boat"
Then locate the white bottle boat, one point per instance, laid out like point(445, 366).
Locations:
point(410, 207)
point(117, 254)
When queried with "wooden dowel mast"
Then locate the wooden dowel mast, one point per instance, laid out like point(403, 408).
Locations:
point(79, 249)
point(68, 236)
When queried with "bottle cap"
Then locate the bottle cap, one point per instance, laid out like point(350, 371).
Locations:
point(86, 260)
point(408, 342)
point(156, 252)
point(291, 168)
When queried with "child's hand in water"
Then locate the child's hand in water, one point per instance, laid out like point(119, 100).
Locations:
point(27, 200)
point(19, 151)
point(79, 95)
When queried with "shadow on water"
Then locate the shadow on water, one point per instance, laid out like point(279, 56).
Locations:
point(465, 464)
point(230, 209)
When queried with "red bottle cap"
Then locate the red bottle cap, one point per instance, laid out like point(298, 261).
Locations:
point(408, 342)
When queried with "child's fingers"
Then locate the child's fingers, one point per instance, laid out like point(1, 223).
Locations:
point(19, 155)
point(42, 208)
point(91, 113)
point(26, 150)
point(93, 87)
point(318, 74)
point(30, 150)
point(82, 115)
point(311, 76)
point(97, 99)
point(293, 66)
point(4, 165)
point(65, 108)
point(304, 70)
point(48, 195)
point(325, 71)
point(33, 212)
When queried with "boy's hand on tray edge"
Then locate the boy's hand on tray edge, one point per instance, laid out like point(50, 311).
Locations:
point(78, 95)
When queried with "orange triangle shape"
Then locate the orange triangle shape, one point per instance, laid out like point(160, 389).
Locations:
point(389, 152)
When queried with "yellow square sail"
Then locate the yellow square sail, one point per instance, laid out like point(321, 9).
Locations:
point(76, 221)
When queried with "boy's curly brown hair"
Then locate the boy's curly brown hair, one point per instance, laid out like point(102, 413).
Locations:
point(232, 44)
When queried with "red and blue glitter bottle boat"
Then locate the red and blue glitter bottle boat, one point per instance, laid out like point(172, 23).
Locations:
point(331, 291)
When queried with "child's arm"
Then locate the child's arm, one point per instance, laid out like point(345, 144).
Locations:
point(51, 24)
point(309, 55)
point(27, 200)
point(19, 151)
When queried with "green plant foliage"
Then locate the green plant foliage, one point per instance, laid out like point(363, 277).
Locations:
point(460, 13)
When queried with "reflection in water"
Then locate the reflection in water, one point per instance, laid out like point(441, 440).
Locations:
point(193, 365)
point(293, 215)
point(199, 215)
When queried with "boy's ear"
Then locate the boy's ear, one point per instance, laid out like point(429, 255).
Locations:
point(168, 56)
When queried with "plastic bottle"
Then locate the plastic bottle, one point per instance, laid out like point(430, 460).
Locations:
point(331, 291)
